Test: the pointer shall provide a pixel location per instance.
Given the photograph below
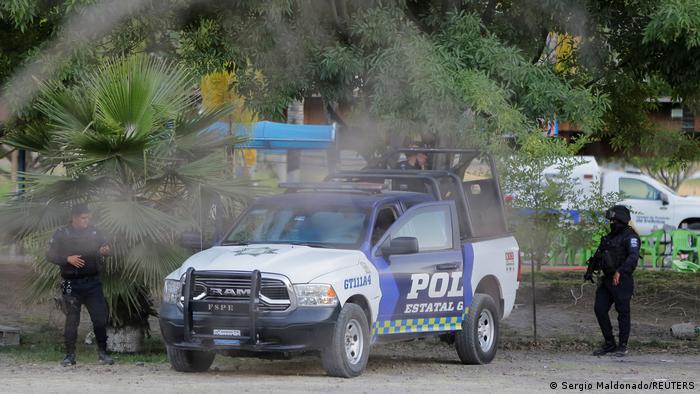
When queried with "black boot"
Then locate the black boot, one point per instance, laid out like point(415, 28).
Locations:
point(621, 350)
point(104, 358)
point(607, 347)
point(68, 360)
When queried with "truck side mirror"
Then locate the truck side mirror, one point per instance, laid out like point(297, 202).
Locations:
point(664, 198)
point(193, 240)
point(400, 245)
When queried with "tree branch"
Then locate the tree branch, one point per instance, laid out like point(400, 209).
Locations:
point(489, 12)
point(543, 43)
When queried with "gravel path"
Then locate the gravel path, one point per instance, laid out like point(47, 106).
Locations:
point(408, 367)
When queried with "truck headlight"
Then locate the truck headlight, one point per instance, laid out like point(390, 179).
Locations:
point(315, 295)
point(172, 291)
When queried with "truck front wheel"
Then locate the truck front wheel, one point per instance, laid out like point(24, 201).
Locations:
point(347, 353)
point(189, 360)
point(478, 340)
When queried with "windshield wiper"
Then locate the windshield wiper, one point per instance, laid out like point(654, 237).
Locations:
point(310, 243)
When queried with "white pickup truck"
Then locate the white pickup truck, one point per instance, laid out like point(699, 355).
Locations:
point(369, 257)
point(653, 204)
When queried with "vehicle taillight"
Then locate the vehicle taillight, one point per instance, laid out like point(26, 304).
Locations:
point(520, 265)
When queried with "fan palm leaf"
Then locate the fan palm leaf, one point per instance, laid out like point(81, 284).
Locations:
point(131, 142)
point(139, 95)
point(68, 110)
point(150, 262)
point(135, 221)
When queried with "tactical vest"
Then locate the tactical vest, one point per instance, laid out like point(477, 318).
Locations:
point(615, 250)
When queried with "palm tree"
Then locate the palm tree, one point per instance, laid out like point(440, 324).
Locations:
point(128, 140)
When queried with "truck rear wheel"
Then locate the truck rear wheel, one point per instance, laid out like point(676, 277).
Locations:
point(189, 360)
point(478, 341)
point(347, 353)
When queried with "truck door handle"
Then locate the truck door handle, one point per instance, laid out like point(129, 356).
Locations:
point(447, 267)
point(663, 208)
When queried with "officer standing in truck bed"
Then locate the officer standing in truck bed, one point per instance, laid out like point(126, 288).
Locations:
point(77, 248)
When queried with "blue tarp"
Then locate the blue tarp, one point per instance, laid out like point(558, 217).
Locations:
point(272, 135)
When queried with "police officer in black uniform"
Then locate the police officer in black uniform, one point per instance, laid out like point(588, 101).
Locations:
point(78, 249)
point(616, 257)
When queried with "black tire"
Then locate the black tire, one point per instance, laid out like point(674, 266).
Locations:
point(336, 360)
point(189, 360)
point(470, 347)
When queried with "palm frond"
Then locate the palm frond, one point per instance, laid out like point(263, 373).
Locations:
point(43, 278)
point(61, 189)
point(41, 282)
point(135, 221)
point(150, 262)
point(129, 303)
point(68, 109)
point(22, 219)
point(139, 94)
point(35, 139)
point(195, 138)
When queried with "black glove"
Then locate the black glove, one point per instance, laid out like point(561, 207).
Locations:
point(588, 276)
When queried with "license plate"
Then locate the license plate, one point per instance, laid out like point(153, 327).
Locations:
point(220, 307)
point(227, 342)
point(227, 333)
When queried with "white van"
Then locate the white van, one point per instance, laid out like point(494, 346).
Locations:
point(653, 204)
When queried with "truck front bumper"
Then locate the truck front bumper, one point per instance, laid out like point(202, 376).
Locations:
point(244, 326)
point(306, 328)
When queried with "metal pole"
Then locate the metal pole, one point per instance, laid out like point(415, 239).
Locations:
point(534, 298)
point(21, 169)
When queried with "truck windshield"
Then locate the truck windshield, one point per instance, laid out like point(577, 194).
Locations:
point(329, 227)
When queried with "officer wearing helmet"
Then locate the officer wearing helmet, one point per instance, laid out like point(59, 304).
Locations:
point(616, 257)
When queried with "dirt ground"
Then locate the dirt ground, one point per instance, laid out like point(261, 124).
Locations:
point(407, 367)
point(417, 366)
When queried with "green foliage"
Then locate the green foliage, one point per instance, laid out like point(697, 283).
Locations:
point(459, 69)
point(675, 20)
point(204, 48)
point(542, 205)
point(46, 345)
point(668, 171)
point(127, 138)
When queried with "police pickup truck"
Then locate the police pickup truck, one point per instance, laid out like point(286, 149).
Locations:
point(365, 258)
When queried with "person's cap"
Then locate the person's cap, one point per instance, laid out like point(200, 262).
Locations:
point(79, 209)
point(619, 213)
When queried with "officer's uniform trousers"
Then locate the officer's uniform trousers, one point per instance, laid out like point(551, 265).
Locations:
point(606, 295)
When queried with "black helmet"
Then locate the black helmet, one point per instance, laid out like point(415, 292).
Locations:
point(619, 213)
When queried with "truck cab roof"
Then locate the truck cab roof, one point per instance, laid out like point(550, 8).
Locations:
point(345, 198)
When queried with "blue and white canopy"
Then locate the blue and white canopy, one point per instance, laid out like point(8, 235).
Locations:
point(272, 135)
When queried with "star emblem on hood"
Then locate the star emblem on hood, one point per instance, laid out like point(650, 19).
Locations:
point(255, 251)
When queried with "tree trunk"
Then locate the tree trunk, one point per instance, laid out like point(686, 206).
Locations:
point(13, 170)
point(295, 115)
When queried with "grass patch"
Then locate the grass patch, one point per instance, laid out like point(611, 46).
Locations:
point(46, 345)
point(577, 344)
point(646, 283)
point(661, 291)
point(5, 187)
